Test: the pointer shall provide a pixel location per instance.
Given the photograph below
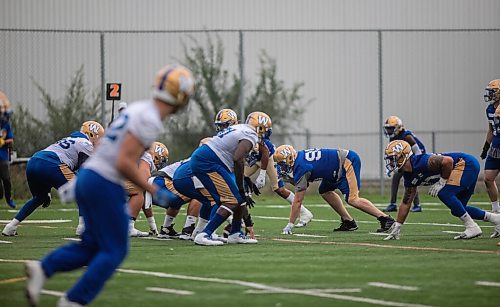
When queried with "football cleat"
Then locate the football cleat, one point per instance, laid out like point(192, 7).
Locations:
point(226, 231)
point(34, 284)
point(133, 232)
point(64, 302)
point(187, 232)
point(216, 237)
point(168, 233)
point(496, 233)
point(239, 238)
point(346, 225)
point(93, 130)
point(204, 239)
point(80, 229)
point(470, 233)
point(385, 223)
point(416, 208)
point(153, 232)
point(9, 230)
point(391, 208)
point(396, 154)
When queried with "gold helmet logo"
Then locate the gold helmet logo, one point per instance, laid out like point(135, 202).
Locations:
point(93, 130)
point(396, 154)
point(160, 154)
point(260, 121)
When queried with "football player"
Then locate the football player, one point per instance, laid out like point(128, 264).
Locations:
point(261, 159)
point(491, 148)
point(6, 141)
point(394, 130)
point(53, 167)
point(452, 177)
point(219, 165)
point(337, 169)
point(100, 195)
point(156, 157)
point(164, 179)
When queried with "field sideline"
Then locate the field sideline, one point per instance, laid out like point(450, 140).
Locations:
point(313, 267)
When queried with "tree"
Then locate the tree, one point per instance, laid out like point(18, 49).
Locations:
point(217, 88)
point(63, 116)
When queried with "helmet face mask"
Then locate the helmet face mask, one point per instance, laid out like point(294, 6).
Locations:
point(492, 94)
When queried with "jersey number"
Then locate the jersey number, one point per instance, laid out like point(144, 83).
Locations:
point(65, 143)
point(121, 121)
point(225, 131)
point(312, 154)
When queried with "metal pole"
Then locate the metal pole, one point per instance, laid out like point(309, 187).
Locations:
point(433, 141)
point(308, 138)
point(103, 83)
point(241, 64)
point(381, 113)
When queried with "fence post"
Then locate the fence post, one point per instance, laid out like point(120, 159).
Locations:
point(380, 114)
point(103, 82)
point(241, 63)
point(433, 141)
point(308, 138)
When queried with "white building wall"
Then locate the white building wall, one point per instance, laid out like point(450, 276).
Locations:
point(432, 78)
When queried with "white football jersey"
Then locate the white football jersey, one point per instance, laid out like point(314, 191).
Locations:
point(146, 156)
point(69, 148)
point(142, 119)
point(224, 144)
point(171, 168)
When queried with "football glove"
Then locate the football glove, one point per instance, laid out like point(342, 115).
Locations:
point(250, 187)
point(288, 229)
point(261, 179)
point(394, 232)
point(484, 153)
point(247, 198)
point(2, 142)
point(435, 188)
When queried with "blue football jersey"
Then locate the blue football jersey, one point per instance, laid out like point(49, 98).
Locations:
point(401, 136)
point(323, 164)
point(421, 175)
point(495, 123)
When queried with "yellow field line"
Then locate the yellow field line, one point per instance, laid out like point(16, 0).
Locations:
point(12, 280)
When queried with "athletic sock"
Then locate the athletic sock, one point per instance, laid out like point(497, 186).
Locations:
point(468, 221)
point(152, 223)
point(290, 197)
point(495, 206)
point(14, 222)
point(169, 220)
point(190, 220)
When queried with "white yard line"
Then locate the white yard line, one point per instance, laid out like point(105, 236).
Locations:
point(38, 221)
point(488, 283)
point(270, 288)
point(5, 242)
point(435, 249)
point(379, 233)
point(392, 286)
point(169, 291)
point(73, 239)
point(308, 236)
point(346, 290)
point(453, 232)
point(367, 222)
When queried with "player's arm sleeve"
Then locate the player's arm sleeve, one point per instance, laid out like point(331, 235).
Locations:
point(302, 183)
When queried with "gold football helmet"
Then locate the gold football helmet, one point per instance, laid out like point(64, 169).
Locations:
point(393, 126)
point(492, 94)
point(285, 156)
point(174, 84)
point(160, 154)
point(260, 121)
point(225, 118)
point(396, 154)
point(93, 130)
